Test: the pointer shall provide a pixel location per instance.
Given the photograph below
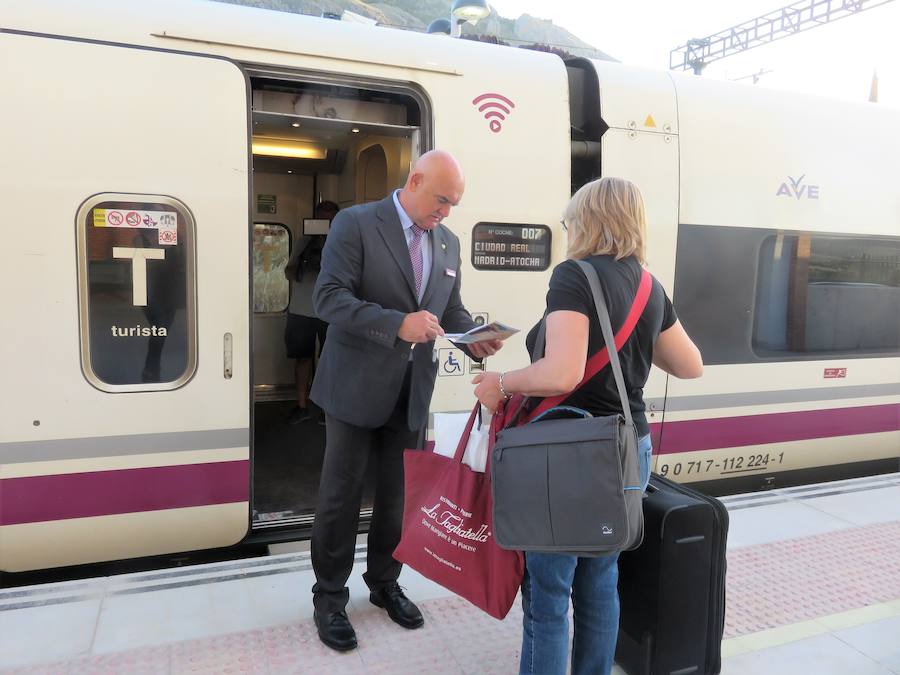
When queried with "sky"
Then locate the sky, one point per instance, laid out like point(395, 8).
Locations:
point(836, 60)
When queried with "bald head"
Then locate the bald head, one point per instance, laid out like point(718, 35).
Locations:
point(435, 185)
point(438, 164)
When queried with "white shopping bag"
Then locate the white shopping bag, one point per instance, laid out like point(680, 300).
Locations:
point(449, 427)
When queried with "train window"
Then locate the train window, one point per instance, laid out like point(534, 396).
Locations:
point(136, 292)
point(271, 250)
point(747, 295)
point(714, 287)
point(827, 295)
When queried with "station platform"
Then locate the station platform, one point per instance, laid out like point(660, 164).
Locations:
point(813, 586)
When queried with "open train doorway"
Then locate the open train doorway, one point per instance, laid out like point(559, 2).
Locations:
point(318, 147)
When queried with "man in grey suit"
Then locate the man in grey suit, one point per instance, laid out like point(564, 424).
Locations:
point(388, 287)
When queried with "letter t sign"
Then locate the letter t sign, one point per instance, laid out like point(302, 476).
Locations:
point(139, 257)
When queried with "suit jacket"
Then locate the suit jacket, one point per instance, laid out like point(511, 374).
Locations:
point(364, 290)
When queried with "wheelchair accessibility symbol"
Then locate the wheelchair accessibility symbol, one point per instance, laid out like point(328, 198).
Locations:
point(451, 362)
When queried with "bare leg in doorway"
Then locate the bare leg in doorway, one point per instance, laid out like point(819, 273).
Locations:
point(302, 378)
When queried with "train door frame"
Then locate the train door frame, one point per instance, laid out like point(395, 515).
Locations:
point(421, 139)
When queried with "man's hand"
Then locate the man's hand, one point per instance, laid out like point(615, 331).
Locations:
point(420, 327)
point(486, 348)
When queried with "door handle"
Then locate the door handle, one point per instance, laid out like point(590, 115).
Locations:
point(228, 355)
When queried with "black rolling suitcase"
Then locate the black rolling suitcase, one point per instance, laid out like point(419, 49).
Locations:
point(672, 588)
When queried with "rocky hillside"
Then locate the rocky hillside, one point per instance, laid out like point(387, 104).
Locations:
point(417, 14)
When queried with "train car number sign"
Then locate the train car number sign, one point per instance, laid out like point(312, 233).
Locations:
point(507, 247)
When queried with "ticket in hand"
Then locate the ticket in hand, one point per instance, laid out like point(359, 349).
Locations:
point(489, 331)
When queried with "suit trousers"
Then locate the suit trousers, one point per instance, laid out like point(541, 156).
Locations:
point(348, 450)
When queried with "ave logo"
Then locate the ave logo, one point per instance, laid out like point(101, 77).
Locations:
point(796, 188)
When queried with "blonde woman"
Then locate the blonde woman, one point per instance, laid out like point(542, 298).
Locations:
point(606, 227)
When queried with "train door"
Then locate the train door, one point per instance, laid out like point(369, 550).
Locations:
point(124, 429)
point(319, 145)
point(628, 118)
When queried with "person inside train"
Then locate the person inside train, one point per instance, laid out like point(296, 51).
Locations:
point(303, 327)
point(605, 225)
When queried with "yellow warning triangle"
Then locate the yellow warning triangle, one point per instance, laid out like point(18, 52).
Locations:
point(649, 121)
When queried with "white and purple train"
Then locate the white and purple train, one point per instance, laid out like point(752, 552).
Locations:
point(160, 159)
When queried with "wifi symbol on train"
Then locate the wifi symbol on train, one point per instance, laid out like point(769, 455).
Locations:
point(495, 108)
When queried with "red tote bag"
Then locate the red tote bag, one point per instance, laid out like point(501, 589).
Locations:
point(448, 528)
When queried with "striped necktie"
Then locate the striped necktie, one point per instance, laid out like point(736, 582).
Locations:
point(415, 255)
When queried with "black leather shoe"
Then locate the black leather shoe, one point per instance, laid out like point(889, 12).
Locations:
point(335, 630)
point(401, 610)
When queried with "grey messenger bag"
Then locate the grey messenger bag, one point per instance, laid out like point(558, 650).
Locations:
point(573, 485)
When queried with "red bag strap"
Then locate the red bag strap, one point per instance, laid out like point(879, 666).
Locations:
point(599, 361)
point(497, 424)
point(464, 439)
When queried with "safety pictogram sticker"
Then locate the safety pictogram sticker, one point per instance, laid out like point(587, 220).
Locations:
point(148, 220)
point(451, 362)
point(168, 237)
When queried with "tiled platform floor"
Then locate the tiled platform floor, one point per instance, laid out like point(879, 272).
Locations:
point(826, 602)
point(784, 582)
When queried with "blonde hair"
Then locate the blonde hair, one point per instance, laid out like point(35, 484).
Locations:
point(606, 217)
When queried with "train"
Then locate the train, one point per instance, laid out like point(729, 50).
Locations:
point(166, 157)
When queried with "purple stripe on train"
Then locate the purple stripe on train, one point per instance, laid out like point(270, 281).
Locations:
point(733, 432)
point(102, 493)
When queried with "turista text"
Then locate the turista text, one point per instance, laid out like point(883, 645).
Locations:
point(139, 331)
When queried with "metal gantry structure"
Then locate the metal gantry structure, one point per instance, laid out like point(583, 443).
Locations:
point(781, 23)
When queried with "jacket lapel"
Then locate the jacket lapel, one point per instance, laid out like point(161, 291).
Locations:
point(438, 262)
point(392, 232)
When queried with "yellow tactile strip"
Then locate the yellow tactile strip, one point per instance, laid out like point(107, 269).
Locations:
point(806, 629)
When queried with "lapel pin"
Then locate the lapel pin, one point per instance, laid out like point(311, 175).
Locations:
point(443, 246)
